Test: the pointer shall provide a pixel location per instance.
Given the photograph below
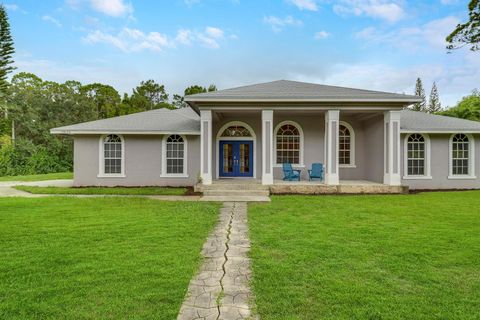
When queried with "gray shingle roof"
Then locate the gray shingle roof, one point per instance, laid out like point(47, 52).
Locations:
point(158, 121)
point(284, 90)
point(424, 122)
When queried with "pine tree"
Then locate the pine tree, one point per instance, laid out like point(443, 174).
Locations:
point(434, 104)
point(6, 51)
point(419, 91)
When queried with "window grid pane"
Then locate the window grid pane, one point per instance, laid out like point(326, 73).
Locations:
point(112, 154)
point(344, 150)
point(460, 155)
point(175, 154)
point(288, 144)
point(416, 155)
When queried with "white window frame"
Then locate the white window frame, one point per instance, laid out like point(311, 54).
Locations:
point(300, 131)
point(471, 159)
point(101, 158)
point(352, 145)
point(164, 173)
point(427, 159)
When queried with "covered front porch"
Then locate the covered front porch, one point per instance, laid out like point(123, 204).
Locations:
point(359, 148)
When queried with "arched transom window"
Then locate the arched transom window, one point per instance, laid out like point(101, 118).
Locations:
point(112, 155)
point(346, 145)
point(416, 151)
point(175, 155)
point(288, 144)
point(461, 155)
point(236, 131)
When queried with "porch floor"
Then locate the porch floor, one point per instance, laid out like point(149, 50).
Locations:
point(254, 186)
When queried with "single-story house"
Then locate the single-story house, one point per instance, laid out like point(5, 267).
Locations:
point(249, 132)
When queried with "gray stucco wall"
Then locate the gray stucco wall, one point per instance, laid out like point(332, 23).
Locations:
point(143, 157)
point(440, 166)
point(374, 149)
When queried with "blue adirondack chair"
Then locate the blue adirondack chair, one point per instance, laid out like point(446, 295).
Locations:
point(316, 172)
point(289, 173)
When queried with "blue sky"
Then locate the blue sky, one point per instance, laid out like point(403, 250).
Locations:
point(371, 44)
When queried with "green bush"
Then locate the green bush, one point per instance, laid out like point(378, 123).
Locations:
point(25, 158)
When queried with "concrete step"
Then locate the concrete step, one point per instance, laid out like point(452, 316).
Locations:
point(263, 193)
point(235, 198)
point(235, 186)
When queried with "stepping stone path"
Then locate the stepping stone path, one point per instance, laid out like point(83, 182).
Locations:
point(221, 289)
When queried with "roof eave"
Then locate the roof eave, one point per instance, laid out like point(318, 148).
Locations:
point(401, 100)
point(130, 132)
point(440, 131)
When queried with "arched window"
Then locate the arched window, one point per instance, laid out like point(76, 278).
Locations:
point(461, 148)
point(113, 154)
point(289, 144)
point(236, 131)
point(174, 159)
point(346, 150)
point(416, 155)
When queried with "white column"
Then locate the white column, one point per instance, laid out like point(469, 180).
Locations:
point(267, 147)
point(206, 146)
point(332, 120)
point(392, 148)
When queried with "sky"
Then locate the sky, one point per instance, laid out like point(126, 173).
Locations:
point(371, 44)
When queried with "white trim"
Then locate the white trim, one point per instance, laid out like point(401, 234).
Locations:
point(101, 158)
point(274, 142)
point(332, 177)
point(206, 125)
point(267, 118)
point(352, 145)
point(440, 131)
point(471, 158)
point(390, 153)
point(123, 132)
point(427, 159)
point(164, 173)
point(303, 108)
point(220, 138)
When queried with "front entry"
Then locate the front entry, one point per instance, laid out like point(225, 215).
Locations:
point(236, 159)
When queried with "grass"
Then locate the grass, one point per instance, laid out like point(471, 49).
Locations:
point(39, 177)
point(104, 190)
point(367, 257)
point(102, 258)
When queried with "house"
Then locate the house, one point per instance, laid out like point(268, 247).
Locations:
point(248, 132)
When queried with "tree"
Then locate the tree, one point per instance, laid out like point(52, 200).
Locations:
point(178, 100)
point(6, 51)
point(148, 96)
point(419, 91)
point(467, 108)
point(467, 33)
point(106, 99)
point(434, 104)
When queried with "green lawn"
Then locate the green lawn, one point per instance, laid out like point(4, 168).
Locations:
point(367, 257)
point(104, 190)
point(39, 177)
point(102, 258)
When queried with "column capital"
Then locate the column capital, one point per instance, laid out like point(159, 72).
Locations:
point(392, 115)
point(206, 114)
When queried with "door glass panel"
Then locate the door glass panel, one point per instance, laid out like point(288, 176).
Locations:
point(227, 158)
point(244, 158)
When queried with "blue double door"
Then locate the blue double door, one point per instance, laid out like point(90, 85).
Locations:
point(236, 158)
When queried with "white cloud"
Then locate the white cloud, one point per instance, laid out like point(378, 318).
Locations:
point(52, 20)
point(134, 40)
point(278, 24)
point(130, 40)
point(310, 5)
point(214, 32)
point(390, 11)
point(320, 35)
point(114, 8)
point(11, 7)
point(428, 36)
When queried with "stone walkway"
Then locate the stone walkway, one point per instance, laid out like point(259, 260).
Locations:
point(221, 288)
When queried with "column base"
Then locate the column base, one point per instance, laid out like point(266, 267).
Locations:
point(392, 179)
point(267, 179)
point(332, 179)
point(206, 179)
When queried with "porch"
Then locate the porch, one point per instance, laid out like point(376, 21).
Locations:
point(254, 190)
